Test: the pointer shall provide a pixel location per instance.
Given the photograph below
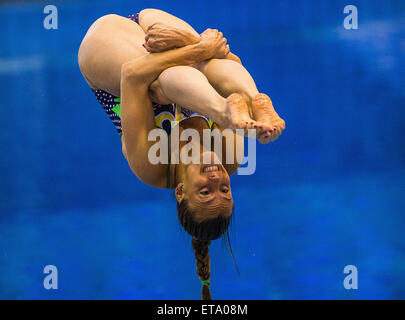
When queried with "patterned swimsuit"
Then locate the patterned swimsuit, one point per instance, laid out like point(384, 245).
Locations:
point(164, 114)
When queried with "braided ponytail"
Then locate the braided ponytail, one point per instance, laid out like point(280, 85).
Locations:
point(200, 248)
point(202, 233)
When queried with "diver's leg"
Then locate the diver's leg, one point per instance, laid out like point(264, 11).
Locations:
point(113, 41)
point(109, 43)
point(228, 76)
point(190, 88)
point(263, 111)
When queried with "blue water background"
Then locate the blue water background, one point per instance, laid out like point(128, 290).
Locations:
point(329, 193)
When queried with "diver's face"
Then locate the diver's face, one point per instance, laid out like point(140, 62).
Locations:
point(207, 189)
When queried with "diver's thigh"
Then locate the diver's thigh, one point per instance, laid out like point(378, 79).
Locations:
point(110, 42)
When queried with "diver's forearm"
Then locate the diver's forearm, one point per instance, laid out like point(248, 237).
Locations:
point(160, 37)
point(185, 38)
point(147, 68)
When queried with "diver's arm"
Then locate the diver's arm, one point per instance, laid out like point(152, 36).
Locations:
point(137, 117)
point(162, 37)
point(137, 120)
point(148, 67)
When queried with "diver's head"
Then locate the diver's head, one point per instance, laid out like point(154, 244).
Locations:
point(204, 199)
point(204, 209)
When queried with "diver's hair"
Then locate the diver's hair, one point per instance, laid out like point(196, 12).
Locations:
point(200, 248)
point(209, 229)
point(202, 233)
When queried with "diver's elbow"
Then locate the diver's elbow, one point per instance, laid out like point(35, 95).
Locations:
point(137, 71)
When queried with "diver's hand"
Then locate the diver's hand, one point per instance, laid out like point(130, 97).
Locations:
point(215, 42)
point(160, 37)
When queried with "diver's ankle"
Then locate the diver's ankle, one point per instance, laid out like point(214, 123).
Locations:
point(224, 115)
point(248, 96)
point(219, 112)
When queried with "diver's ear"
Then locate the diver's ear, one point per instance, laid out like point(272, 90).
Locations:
point(179, 192)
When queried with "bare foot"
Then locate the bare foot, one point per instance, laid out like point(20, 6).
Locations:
point(239, 118)
point(263, 111)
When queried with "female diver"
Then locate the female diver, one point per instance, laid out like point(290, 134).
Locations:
point(153, 68)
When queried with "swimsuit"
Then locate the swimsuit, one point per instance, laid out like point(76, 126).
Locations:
point(164, 114)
